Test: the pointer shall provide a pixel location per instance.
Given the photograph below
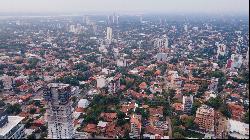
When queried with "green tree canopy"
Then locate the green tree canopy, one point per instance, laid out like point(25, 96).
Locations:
point(215, 102)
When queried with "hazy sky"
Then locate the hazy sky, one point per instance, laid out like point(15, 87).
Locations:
point(214, 6)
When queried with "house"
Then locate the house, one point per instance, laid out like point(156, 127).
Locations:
point(109, 116)
point(237, 111)
point(90, 128)
point(156, 111)
point(143, 85)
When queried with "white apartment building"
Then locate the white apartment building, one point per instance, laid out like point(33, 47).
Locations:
point(187, 102)
point(109, 34)
point(101, 81)
point(238, 130)
point(11, 127)
point(7, 81)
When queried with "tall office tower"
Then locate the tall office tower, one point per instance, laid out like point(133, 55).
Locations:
point(187, 104)
point(166, 42)
point(59, 111)
point(117, 19)
point(109, 20)
point(113, 18)
point(109, 34)
point(221, 50)
point(72, 28)
point(141, 20)
point(185, 28)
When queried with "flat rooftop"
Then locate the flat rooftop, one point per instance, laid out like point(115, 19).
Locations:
point(12, 122)
point(58, 85)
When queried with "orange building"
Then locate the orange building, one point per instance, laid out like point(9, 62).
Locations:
point(205, 118)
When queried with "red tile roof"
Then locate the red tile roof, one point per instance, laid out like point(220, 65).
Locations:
point(177, 106)
point(90, 128)
point(143, 85)
point(109, 116)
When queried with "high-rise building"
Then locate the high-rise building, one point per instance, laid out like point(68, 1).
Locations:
point(101, 81)
point(11, 127)
point(109, 34)
point(205, 118)
point(185, 28)
point(166, 42)
point(162, 43)
point(121, 62)
point(72, 28)
point(59, 111)
point(187, 102)
point(117, 19)
point(237, 60)
point(113, 18)
point(221, 49)
point(161, 57)
point(135, 131)
point(159, 43)
point(141, 20)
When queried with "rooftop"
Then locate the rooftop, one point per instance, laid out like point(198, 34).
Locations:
point(12, 122)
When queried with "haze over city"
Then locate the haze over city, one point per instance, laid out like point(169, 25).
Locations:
point(162, 6)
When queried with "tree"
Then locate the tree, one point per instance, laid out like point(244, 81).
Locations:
point(225, 110)
point(176, 121)
point(91, 118)
point(28, 123)
point(221, 83)
point(202, 89)
point(74, 99)
point(42, 110)
point(217, 74)
point(2, 103)
point(178, 135)
point(180, 131)
point(195, 106)
point(32, 136)
point(14, 109)
point(43, 128)
point(81, 67)
point(120, 115)
point(43, 135)
point(33, 78)
point(33, 62)
point(1, 85)
point(69, 80)
point(37, 103)
point(144, 113)
point(215, 102)
point(32, 111)
point(188, 122)
point(246, 118)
